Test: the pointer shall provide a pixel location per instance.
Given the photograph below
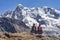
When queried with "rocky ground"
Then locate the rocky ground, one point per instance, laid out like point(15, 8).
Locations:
point(24, 36)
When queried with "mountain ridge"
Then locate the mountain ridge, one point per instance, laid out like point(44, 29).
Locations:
point(48, 18)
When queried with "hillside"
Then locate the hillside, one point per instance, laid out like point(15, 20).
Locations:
point(22, 18)
point(24, 36)
point(12, 25)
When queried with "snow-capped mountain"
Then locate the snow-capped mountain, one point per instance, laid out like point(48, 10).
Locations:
point(48, 17)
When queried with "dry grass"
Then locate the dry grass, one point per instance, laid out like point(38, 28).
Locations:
point(24, 36)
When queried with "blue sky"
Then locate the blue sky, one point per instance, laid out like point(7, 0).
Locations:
point(11, 4)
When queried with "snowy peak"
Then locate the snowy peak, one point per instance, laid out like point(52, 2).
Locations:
point(20, 6)
point(48, 17)
point(22, 11)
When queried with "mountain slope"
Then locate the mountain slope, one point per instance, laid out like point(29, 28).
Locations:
point(48, 18)
point(12, 25)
